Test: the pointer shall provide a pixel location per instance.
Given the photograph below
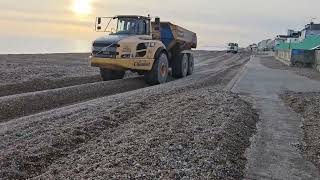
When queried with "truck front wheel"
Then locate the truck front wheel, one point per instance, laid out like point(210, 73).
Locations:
point(180, 66)
point(108, 74)
point(159, 71)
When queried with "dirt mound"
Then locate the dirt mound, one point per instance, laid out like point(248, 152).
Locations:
point(185, 134)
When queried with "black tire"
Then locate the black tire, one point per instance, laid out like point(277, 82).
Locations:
point(180, 66)
point(159, 71)
point(190, 64)
point(108, 74)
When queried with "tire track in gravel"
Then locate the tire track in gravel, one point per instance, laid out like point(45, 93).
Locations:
point(77, 129)
point(45, 84)
point(29, 103)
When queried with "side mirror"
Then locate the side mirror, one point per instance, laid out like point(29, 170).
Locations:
point(157, 21)
point(157, 24)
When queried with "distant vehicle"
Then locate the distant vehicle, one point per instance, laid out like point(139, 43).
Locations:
point(253, 48)
point(233, 48)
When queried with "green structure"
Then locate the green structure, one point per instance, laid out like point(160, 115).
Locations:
point(309, 43)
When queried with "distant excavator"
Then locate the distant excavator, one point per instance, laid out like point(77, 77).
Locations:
point(139, 45)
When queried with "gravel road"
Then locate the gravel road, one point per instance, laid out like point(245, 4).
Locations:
point(308, 105)
point(187, 128)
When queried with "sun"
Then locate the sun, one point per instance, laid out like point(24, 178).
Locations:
point(82, 7)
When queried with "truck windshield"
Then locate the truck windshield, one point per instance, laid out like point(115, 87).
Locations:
point(233, 44)
point(131, 26)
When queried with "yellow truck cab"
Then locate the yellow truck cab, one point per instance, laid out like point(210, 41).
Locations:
point(139, 45)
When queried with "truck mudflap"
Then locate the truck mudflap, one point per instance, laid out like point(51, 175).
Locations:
point(122, 64)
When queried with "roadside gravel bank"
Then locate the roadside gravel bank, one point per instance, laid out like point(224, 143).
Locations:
point(308, 105)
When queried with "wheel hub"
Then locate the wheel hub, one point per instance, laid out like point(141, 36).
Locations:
point(163, 70)
point(185, 66)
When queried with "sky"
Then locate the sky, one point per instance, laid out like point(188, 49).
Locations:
point(42, 26)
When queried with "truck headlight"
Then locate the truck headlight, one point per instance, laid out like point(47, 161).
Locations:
point(127, 56)
point(149, 44)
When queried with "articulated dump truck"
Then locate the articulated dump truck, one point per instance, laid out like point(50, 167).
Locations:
point(150, 48)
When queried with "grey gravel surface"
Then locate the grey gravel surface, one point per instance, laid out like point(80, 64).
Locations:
point(24, 67)
point(23, 73)
point(188, 128)
point(30, 67)
point(61, 92)
point(36, 72)
point(181, 136)
point(272, 63)
point(205, 55)
point(308, 105)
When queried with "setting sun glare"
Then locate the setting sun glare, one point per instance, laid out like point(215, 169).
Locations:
point(82, 6)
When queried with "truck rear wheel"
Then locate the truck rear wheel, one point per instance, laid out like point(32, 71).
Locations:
point(108, 74)
point(180, 66)
point(159, 71)
point(191, 65)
